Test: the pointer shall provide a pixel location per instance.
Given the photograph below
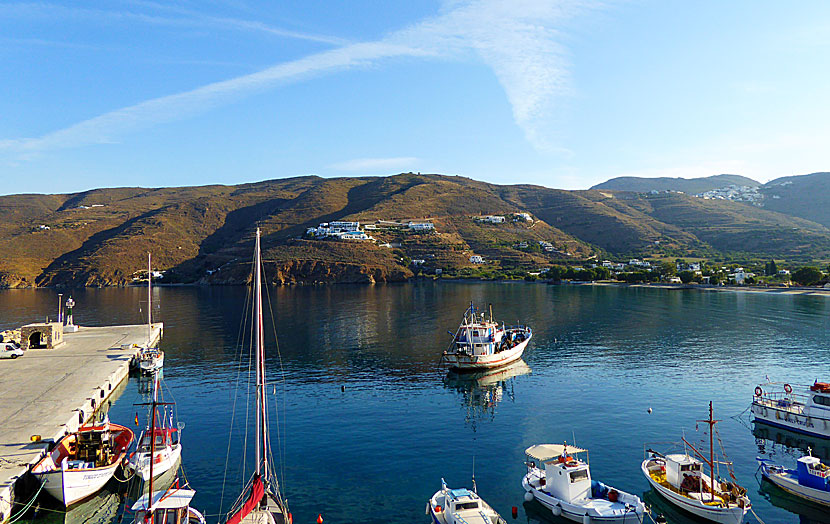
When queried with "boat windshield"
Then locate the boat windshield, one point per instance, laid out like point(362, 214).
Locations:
point(466, 505)
point(578, 475)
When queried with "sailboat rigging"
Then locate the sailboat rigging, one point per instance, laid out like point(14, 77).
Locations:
point(264, 504)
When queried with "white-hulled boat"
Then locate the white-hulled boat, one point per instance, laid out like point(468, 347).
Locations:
point(150, 359)
point(460, 506)
point(680, 479)
point(480, 343)
point(561, 481)
point(82, 462)
point(802, 408)
point(171, 506)
point(165, 447)
point(264, 503)
point(810, 480)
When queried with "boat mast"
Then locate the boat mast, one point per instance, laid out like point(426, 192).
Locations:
point(153, 441)
point(262, 437)
point(711, 423)
point(149, 300)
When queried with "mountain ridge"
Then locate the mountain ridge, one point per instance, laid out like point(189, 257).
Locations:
point(202, 234)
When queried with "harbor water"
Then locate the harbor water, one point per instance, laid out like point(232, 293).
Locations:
point(369, 421)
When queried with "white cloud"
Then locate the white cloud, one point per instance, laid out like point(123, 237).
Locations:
point(375, 164)
point(517, 39)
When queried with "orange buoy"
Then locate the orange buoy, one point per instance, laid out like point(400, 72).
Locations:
point(320, 518)
point(290, 518)
point(515, 512)
point(437, 509)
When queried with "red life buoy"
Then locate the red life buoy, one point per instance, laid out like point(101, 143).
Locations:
point(788, 388)
point(758, 391)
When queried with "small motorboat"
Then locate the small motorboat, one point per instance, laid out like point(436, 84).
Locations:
point(167, 507)
point(480, 343)
point(559, 478)
point(810, 480)
point(680, 479)
point(802, 408)
point(460, 506)
point(82, 462)
point(150, 360)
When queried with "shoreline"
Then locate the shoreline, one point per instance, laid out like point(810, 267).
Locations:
point(794, 290)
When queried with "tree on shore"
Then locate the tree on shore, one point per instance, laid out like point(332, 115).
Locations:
point(807, 276)
point(771, 268)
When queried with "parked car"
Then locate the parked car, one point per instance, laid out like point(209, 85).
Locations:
point(10, 350)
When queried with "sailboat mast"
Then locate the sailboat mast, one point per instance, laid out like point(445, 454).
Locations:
point(261, 428)
point(149, 300)
point(711, 451)
point(153, 439)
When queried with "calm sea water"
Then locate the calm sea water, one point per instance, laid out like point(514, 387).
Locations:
point(370, 423)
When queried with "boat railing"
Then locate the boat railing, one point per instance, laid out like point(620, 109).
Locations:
point(782, 398)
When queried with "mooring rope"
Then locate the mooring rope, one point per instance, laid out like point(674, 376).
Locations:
point(26, 508)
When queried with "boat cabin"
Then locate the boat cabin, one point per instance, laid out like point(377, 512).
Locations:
point(479, 338)
point(168, 507)
point(683, 471)
point(164, 437)
point(567, 477)
point(813, 474)
point(462, 500)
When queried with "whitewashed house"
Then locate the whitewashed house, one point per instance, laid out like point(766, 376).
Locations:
point(477, 259)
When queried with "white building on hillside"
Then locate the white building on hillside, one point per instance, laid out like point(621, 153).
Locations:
point(421, 226)
point(477, 259)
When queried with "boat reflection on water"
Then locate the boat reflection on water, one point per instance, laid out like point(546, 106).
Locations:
point(772, 440)
point(807, 512)
point(481, 392)
point(658, 505)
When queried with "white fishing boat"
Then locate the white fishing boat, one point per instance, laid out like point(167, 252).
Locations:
point(559, 478)
point(802, 408)
point(680, 479)
point(460, 506)
point(264, 503)
point(162, 443)
point(82, 462)
point(480, 343)
point(810, 480)
point(150, 359)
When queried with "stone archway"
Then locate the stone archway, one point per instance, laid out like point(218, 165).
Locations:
point(35, 340)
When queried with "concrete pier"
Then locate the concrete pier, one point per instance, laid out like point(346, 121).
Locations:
point(48, 392)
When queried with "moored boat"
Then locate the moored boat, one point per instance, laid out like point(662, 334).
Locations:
point(810, 480)
point(82, 462)
point(150, 359)
point(166, 507)
point(801, 408)
point(460, 506)
point(680, 479)
point(162, 443)
point(480, 343)
point(559, 478)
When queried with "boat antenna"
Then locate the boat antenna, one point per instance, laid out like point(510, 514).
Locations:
point(491, 312)
point(475, 490)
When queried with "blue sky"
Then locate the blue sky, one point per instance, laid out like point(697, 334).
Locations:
point(558, 93)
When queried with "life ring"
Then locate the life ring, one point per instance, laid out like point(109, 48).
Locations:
point(758, 391)
point(571, 464)
point(788, 388)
